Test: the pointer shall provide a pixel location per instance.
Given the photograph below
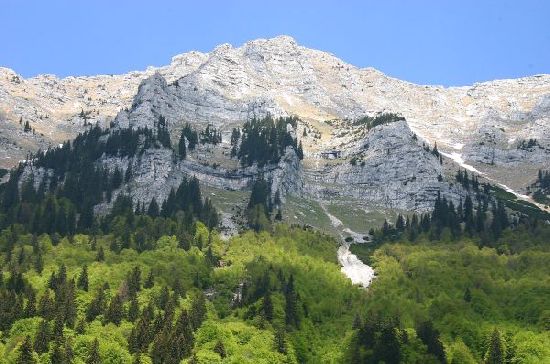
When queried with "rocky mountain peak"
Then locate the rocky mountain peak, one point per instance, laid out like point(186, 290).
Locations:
point(483, 124)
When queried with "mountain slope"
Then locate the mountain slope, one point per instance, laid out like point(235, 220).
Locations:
point(489, 125)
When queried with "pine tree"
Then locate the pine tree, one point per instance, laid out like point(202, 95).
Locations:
point(116, 179)
point(42, 338)
point(26, 352)
point(357, 322)
point(291, 304)
point(30, 307)
point(150, 281)
point(267, 306)
point(134, 281)
point(82, 282)
point(39, 263)
point(93, 353)
point(59, 324)
point(97, 306)
point(430, 337)
point(495, 352)
point(153, 209)
point(129, 172)
point(280, 341)
point(57, 356)
point(133, 309)
point(182, 337)
point(80, 327)
point(387, 348)
point(161, 347)
point(511, 349)
point(100, 256)
point(220, 349)
point(178, 288)
point(198, 310)
point(27, 128)
point(115, 312)
point(46, 307)
point(467, 295)
point(70, 303)
point(194, 359)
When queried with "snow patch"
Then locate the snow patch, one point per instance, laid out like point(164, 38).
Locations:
point(352, 267)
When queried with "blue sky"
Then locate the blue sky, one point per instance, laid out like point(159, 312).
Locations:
point(429, 42)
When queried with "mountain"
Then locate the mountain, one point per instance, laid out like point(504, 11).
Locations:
point(272, 204)
point(498, 129)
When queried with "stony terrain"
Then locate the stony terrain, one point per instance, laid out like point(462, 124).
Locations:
point(487, 125)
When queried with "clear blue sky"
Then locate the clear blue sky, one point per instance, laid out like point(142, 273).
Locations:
point(431, 42)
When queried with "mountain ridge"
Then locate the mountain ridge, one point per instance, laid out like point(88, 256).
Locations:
point(484, 124)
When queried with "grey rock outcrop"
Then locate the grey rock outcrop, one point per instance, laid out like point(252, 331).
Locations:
point(487, 124)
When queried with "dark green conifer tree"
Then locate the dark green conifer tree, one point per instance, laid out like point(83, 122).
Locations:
point(133, 309)
point(198, 310)
point(42, 337)
point(115, 311)
point(82, 282)
point(100, 256)
point(93, 353)
point(150, 281)
point(495, 351)
point(25, 352)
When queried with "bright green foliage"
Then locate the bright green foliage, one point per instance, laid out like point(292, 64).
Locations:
point(426, 281)
point(157, 302)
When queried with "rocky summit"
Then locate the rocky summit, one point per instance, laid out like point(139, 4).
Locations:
point(499, 130)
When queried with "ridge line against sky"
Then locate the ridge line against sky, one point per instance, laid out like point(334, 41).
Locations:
point(451, 43)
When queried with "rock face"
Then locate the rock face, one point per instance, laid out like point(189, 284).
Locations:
point(501, 127)
point(388, 167)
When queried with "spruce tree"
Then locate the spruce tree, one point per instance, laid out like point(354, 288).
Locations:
point(267, 306)
point(82, 282)
point(153, 209)
point(30, 307)
point(220, 349)
point(38, 263)
point(57, 356)
point(495, 352)
point(129, 172)
point(430, 337)
point(182, 337)
point(133, 309)
point(115, 312)
point(93, 353)
point(198, 310)
point(42, 338)
point(467, 295)
point(134, 281)
point(150, 281)
point(46, 307)
point(280, 341)
point(100, 256)
point(291, 304)
point(58, 326)
point(97, 306)
point(25, 352)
